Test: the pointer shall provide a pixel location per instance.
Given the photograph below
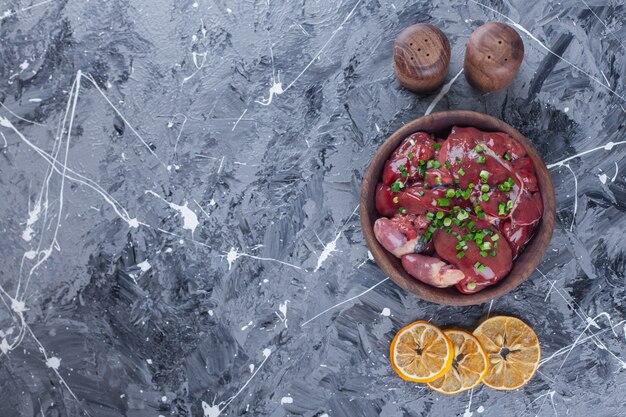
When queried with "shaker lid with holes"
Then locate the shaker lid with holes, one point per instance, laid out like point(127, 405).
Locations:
point(493, 55)
point(421, 56)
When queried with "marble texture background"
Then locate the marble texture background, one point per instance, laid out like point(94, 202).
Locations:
point(178, 215)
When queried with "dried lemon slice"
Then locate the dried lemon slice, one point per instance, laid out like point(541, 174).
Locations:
point(469, 365)
point(513, 349)
point(421, 352)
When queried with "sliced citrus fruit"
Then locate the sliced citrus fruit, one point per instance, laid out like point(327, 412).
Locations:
point(421, 352)
point(513, 350)
point(469, 364)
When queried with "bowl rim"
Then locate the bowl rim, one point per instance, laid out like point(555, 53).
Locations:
point(526, 262)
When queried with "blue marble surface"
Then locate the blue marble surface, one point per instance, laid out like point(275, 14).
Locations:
point(178, 215)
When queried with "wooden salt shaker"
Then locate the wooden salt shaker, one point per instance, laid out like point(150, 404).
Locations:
point(421, 56)
point(493, 55)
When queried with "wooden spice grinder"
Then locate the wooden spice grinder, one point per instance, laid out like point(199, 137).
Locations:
point(421, 56)
point(493, 55)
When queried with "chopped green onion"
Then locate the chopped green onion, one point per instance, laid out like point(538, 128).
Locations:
point(443, 202)
point(481, 268)
point(486, 245)
point(438, 180)
point(447, 164)
point(485, 197)
point(483, 253)
point(507, 156)
point(420, 192)
point(440, 215)
point(484, 188)
point(460, 255)
point(396, 186)
point(477, 265)
point(410, 155)
point(478, 149)
point(481, 159)
point(501, 209)
point(462, 215)
point(395, 199)
point(461, 172)
point(495, 245)
point(481, 215)
point(436, 146)
point(457, 181)
point(471, 224)
point(495, 237)
point(422, 162)
point(447, 222)
point(493, 253)
point(450, 193)
point(402, 210)
point(430, 215)
point(402, 169)
point(471, 286)
point(456, 221)
point(471, 185)
point(509, 204)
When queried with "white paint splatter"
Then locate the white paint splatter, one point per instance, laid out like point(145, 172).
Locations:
point(328, 250)
point(283, 313)
point(211, 410)
point(18, 306)
point(144, 266)
point(24, 65)
point(238, 120)
point(468, 412)
point(251, 366)
point(343, 302)
point(34, 100)
point(33, 216)
point(603, 178)
point(276, 88)
point(480, 409)
point(566, 109)
point(244, 328)
point(211, 313)
point(233, 254)
point(332, 245)
point(164, 398)
point(286, 400)
point(149, 361)
point(215, 410)
point(9, 13)
point(190, 219)
point(4, 346)
point(386, 312)
point(442, 93)
point(53, 362)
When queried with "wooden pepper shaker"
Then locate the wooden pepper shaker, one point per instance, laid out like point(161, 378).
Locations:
point(493, 55)
point(421, 56)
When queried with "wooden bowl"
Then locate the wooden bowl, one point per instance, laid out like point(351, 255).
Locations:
point(523, 266)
